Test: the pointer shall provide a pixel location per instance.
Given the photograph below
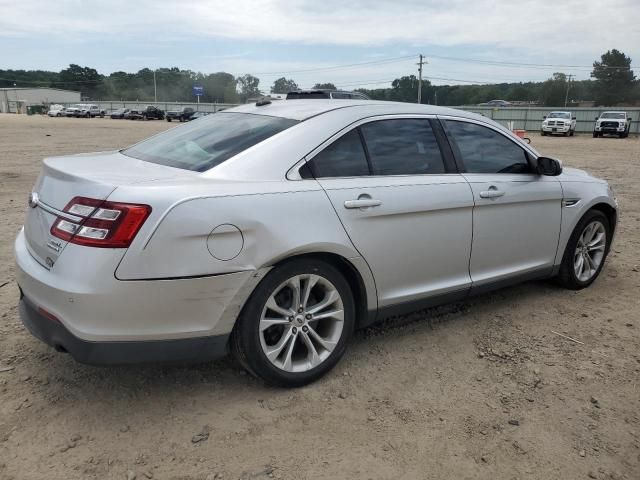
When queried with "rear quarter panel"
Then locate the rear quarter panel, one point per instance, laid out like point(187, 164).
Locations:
point(275, 224)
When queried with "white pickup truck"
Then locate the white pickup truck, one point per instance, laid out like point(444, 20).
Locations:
point(558, 122)
point(612, 123)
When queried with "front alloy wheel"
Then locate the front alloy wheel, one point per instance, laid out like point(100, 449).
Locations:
point(586, 251)
point(589, 251)
point(296, 325)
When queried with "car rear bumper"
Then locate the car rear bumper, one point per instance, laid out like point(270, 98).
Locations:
point(54, 333)
point(95, 311)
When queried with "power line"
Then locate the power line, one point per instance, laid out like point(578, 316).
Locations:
point(520, 64)
point(336, 67)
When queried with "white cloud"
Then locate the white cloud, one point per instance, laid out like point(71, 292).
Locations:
point(567, 32)
point(529, 25)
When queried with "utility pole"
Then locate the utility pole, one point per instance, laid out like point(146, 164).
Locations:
point(566, 97)
point(420, 63)
point(155, 88)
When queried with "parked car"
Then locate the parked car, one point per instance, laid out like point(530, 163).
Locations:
point(72, 111)
point(146, 113)
point(322, 93)
point(182, 114)
point(612, 123)
point(56, 111)
point(119, 113)
point(274, 231)
point(89, 111)
point(558, 122)
point(495, 103)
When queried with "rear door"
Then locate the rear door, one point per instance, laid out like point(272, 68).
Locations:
point(516, 219)
point(403, 206)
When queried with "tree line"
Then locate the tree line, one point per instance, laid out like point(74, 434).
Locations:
point(612, 82)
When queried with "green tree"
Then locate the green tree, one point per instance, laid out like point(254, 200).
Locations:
point(615, 80)
point(324, 86)
point(85, 79)
point(283, 85)
point(554, 91)
point(248, 87)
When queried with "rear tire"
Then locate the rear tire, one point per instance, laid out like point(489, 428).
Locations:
point(577, 271)
point(543, 133)
point(571, 132)
point(295, 348)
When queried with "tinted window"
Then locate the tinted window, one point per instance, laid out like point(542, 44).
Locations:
point(483, 150)
point(340, 95)
point(343, 158)
point(208, 142)
point(307, 95)
point(402, 147)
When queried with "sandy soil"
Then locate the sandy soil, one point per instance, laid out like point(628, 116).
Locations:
point(480, 389)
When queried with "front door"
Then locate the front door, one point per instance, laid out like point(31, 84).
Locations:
point(516, 219)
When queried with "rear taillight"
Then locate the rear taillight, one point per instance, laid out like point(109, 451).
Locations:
point(103, 224)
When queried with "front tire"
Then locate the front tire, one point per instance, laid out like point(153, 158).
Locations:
point(296, 325)
point(586, 251)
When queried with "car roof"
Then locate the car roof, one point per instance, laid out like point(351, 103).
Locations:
point(305, 109)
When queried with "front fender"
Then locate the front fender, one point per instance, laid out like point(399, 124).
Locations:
point(586, 195)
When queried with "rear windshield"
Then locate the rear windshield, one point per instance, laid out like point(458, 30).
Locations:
point(202, 145)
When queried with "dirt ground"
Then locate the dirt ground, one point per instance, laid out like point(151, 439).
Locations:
point(476, 390)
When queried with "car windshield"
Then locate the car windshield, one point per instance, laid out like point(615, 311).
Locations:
point(202, 145)
point(560, 115)
point(616, 115)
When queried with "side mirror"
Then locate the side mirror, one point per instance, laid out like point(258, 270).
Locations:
point(597, 118)
point(574, 118)
point(549, 166)
point(544, 117)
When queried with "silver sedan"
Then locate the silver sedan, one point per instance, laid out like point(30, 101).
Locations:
point(273, 230)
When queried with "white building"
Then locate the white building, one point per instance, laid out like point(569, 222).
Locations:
point(16, 99)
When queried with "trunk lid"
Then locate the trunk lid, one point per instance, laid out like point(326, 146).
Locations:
point(94, 175)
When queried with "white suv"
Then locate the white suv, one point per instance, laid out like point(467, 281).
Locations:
point(613, 123)
point(558, 122)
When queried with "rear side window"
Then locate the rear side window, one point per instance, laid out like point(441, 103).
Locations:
point(343, 158)
point(484, 150)
point(202, 145)
point(402, 147)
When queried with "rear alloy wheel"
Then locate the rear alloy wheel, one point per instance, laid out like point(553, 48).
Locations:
point(296, 325)
point(586, 251)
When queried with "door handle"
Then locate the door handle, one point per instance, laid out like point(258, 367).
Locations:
point(493, 192)
point(362, 203)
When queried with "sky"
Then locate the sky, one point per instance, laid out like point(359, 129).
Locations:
point(464, 41)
